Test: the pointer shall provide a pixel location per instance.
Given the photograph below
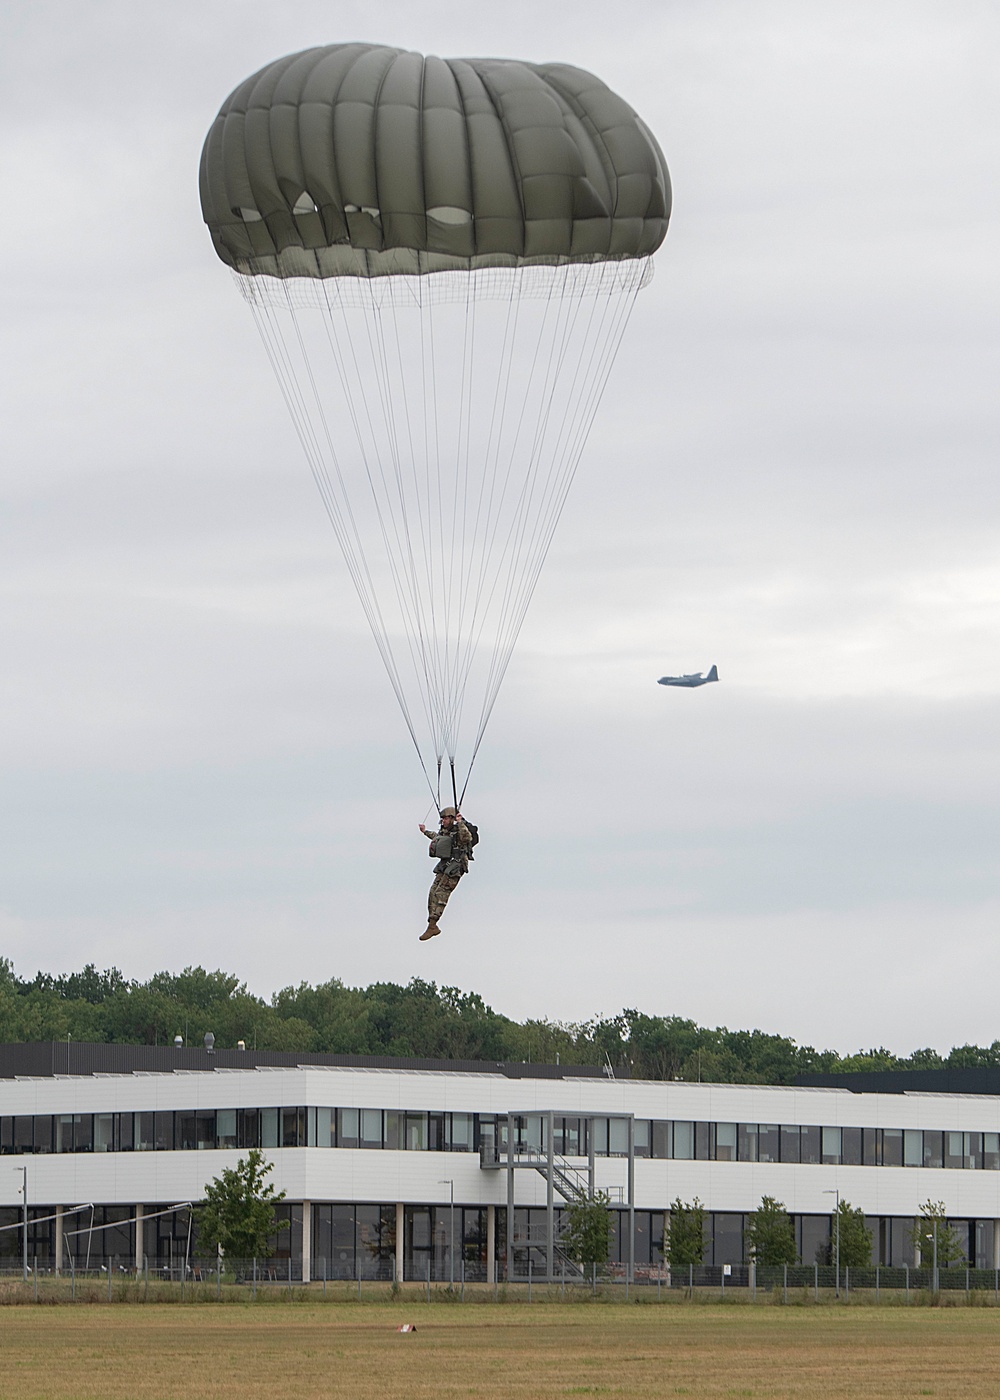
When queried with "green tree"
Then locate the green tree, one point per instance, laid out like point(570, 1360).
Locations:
point(855, 1238)
point(930, 1223)
point(686, 1240)
point(770, 1235)
point(587, 1228)
point(238, 1212)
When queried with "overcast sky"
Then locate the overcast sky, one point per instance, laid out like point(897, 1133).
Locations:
point(793, 475)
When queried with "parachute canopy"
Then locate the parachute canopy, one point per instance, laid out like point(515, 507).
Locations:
point(441, 257)
point(361, 160)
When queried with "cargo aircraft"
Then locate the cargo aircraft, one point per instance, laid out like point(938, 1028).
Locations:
point(689, 682)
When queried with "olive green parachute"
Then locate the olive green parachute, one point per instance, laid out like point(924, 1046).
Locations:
point(361, 160)
point(441, 256)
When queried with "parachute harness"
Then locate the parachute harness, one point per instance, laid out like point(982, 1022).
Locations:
point(443, 417)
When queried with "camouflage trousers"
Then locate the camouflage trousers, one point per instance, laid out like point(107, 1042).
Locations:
point(440, 894)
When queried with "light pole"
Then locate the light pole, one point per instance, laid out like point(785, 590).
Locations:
point(24, 1215)
point(450, 1183)
point(836, 1245)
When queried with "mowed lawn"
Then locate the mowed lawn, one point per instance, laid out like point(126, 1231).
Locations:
point(507, 1352)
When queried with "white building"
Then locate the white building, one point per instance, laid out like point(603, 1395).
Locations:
point(385, 1162)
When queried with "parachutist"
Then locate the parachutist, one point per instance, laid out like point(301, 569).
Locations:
point(451, 846)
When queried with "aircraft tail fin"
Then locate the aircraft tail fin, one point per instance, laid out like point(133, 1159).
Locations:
point(713, 674)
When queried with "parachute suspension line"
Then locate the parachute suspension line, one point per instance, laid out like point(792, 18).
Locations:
point(465, 448)
point(457, 671)
point(515, 544)
point(382, 637)
point(491, 575)
point(589, 394)
point(414, 634)
point(338, 510)
point(589, 382)
point(403, 533)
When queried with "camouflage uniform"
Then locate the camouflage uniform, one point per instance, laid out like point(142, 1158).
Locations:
point(450, 868)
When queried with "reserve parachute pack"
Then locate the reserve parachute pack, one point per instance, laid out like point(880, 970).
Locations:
point(441, 847)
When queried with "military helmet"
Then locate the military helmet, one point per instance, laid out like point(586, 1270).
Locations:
point(449, 811)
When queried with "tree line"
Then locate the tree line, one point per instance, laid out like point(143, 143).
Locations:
point(420, 1019)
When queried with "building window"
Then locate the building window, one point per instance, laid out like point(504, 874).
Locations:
point(972, 1149)
point(663, 1139)
point(768, 1143)
point(104, 1132)
point(746, 1142)
point(954, 1154)
point(790, 1151)
point(810, 1145)
point(991, 1152)
point(725, 1145)
point(248, 1127)
point(892, 1147)
point(225, 1128)
point(850, 1148)
point(348, 1127)
point(934, 1149)
point(416, 1132)
point(684, 1141)
point(913, 1147)
point(832, 1141)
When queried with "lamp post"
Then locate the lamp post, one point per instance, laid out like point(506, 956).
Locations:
point(24, 1216)
point(836, 1246)
point(450, 1183)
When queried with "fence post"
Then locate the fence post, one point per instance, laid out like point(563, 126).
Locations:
point(290, 1275)
point(255, 1277)
point(690, 1280)
point(816, 1282)
point(218, 1279)
point(463, 1281)
point(907, 1268)
point(876, 1284)
point(72, 1274)
point(145, 1269)
point(529, 1275)
point(847, 1281)
point(593, 1277)
point(36, 1278)
point(966, 1280)
point(723, 1283)
point(111, 1265)
point(324, 1272)
point(428, 1280)
point(784, 1285)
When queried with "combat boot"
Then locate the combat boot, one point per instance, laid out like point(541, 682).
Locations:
point(430, 930)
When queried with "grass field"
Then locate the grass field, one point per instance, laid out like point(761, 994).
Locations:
point(508, 1352)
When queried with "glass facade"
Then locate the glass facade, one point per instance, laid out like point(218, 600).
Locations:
point(376, 1129)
